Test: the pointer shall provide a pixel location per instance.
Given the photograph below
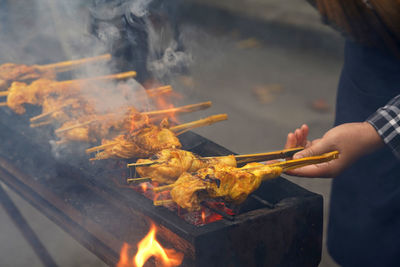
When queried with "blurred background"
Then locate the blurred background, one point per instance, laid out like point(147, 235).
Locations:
point(271, 65)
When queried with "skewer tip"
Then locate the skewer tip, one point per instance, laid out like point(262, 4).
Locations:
point(163, 202)
point(141, 179)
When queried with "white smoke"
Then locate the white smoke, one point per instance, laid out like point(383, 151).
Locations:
point(139, 8)
point(171, 62)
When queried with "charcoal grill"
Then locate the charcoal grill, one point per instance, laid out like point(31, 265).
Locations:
point(280, 224)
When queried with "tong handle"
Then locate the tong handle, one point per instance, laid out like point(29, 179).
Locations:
point(298, 163)
point(280, 154)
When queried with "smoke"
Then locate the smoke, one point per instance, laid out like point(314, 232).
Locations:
point(142, 35)
point(172, 61)
point(140, 8)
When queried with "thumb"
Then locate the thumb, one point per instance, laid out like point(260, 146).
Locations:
point(316, 148)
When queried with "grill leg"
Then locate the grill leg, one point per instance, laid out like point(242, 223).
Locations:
point(23, 226)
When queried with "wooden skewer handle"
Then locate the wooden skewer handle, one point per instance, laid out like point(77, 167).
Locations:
point(40, 116)
point(163, 202)
point(61, 130)
point(183, 109)
point(144, 164)
point(4, 93)
point(74, 63)
point(117, 76)
point(163, 188)
point(39, 124)
point(101, 147)
point(129, 180)
point(159, 90)
point(179, 129)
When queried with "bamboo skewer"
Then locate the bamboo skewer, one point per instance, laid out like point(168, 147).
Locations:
point(182, 128)
point(74, 126)
point(116, 76)
point(143, 164)
point(155, 91)
point(141, 179)
point(286, 166)
point(162, 188)
point(70, 64)
point(240, 159)
point(4, 93)
point(39, 124)
point(159, 90)
point(101, 147)
point(183, 109)
point(43, 115)
point(163, 202)
point(187, 108)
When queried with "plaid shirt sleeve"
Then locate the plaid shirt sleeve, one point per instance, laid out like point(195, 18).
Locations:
point(386, 121)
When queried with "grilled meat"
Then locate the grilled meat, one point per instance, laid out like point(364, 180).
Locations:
point(10, 72)
point(220, 181)
point(142, 143)
point(174, 162)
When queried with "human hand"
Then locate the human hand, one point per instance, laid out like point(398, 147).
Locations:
point(298, 138)
point(352, 140)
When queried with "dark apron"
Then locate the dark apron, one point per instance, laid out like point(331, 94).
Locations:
point(364, 221)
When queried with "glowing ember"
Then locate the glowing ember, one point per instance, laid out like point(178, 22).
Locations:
point(147, 248)
point(144, 186)
point(203, 216)
point(198, 218)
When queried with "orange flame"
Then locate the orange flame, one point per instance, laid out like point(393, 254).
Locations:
point(165, 103)
point(123, 257)
point(149, 247)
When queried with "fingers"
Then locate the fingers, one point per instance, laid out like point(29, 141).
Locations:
point(290, 141)
point(304, 129)
point(315, 148)
point(323, 170)
point(298, 137)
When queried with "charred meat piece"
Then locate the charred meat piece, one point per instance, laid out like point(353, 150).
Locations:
point(143, 143)
point(174, 162)
point(10, 72)
point(220, 181)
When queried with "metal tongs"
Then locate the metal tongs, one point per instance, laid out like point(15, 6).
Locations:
point(298, 163)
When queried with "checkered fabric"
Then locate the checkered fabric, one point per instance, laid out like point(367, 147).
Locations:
point(386, 121)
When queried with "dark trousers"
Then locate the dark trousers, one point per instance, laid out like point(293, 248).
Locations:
point(364, 221)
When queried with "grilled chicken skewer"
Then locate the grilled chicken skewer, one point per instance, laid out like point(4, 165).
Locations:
point(35, 93)
point(62, 109)
point(93, 128)
point(230, 183)
point(167, 165)
point(148, 140)
point(10, 72)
